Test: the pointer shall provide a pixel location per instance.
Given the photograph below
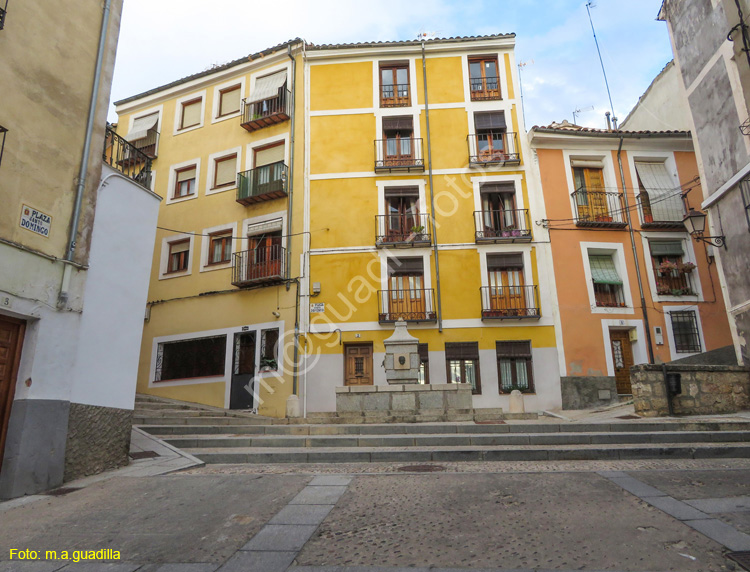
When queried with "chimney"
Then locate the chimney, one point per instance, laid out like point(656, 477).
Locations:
point(609, 124)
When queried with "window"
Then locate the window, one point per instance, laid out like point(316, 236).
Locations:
point(402, 218)
point(406, 292)
point(424, 365)
point(144, 133)
point(491, 136)
point(507, 293)
point(590, 197)
point(185, 182)
point(225, 171)
point(499, 216)
point(672, 275)
point(265, 256)
point(229, 100)
point(269, 349)
point(200, 357)
point(514, 366)
point(608, 291)
point(462, 362)
point(220, 247)
point(484, 81)
point(394, 85)
point(268, 98)
point(685, 331)
point(398, 142)
point(179, 256)
point(191, 113)
point(660, 201)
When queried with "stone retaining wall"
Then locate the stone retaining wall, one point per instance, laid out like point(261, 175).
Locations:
point(584, 392)
point(706, 390)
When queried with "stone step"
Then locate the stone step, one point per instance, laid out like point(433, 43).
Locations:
point(242, 455)
point(196, 420)
point(158, 405)
point(371, 441)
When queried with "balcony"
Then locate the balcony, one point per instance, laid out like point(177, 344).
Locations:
point(609, 295)
point(664, 214)
point(598, 208)
point(495, 148)
point(502, 226)
point(413, 305)
point(673, 282)
point(484, 88)
point(126, 158)
point(262, 183)
point(510, 303)
point(395, 95)
point(399, 154)
point(402, 230)
point(259, 114)
point(261, 266)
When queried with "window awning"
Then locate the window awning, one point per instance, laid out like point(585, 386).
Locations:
point(490, 120)
point(502, 187)
point(142, 125)
point(501, 261)
point(405, 123)
point(263, 227)
point(461, 350)
point(408, 266)
point(603, 270)
point(666, 247)
point(268, 86)
point(664, 195)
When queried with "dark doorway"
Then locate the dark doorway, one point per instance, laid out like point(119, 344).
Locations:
point(243, 371)
point(11, 340)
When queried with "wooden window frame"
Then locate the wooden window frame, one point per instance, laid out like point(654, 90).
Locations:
point(514, 358)
point(177, 182)
point(452, 349)
point(226, 237)
point(224, 91)
point(183, 106)
point(483, 94)
point(231, 157)
point(396, 100)
point(185, 263)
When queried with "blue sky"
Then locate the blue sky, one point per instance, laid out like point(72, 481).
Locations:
point(164, 40)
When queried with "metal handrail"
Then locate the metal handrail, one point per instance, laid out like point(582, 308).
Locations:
point(253, 111)
point(126, 158)
point(262, 264)
point(502, 224)
point(510, 301)
point(402, 229)
point(596, 207)
point(484, 88)
point(412, 304)
point(271, 178)
point(493, 147)
point(399, 153)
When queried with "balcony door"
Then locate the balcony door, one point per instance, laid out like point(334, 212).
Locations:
point(402, 207)
point(269, 168)
point(483, 78)
point(394, 86)
point(498, 211)
point(590, 193)
point(264, 257)
point(507, 293)
point(407, 297)
point(490, 132)
point(398, 141)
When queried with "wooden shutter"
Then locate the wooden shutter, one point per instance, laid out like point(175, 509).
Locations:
point(497, 261)
point(229, 100)
point(461, 350)
point(226, 171)
point(402, 123)
point(191, 113)
point(408, 266)
point(513, 349)
point(493, 120)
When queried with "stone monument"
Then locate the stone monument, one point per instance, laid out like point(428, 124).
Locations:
point(401, 356)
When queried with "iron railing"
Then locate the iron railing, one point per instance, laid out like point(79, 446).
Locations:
point(666, 215)
point(126, 158)
point(413, 305)
point(502, 226)
point(259, 114)
point(399, 154)
point(596, 207)
point(395, 95)
point(493, 148)
point(402, 230)
point(510, 302)
point(262, 183)
point(609, 295)
point(261, 265)
point(484, 88)
point(673, 283)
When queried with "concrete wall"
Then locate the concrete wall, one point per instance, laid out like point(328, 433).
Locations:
point(658, 109)
point(584, 392)
point(706, 390)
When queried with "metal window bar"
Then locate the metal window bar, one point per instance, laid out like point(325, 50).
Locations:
point(259, 265)
point(259, 114)
point(672, 282)
point(685, 330)
point(483, 88)
point(502, 225)
point(609, 295)
point(399, 153)
point(268, 181)
point(413, 305)
point(126, 158)
point(395, 95)
point(185, 359)
point(596, 207)
point(493, 148)
point(402, 229)
point(510, 302)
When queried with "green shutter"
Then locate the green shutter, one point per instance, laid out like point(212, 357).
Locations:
point(603, 270)
point(666, 247)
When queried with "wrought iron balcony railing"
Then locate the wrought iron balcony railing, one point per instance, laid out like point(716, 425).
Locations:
point(510, 302)
point(662, 214)
point(413, 305)
point(484, 88)
point(262, 183)
point(259, 114)
point(609, 295)
point(395, 95)
point(502, 226)
point(262, 265)
point(402, 230)
point(126, 158)
point(149, 144)
point(399, 154)
point(673, 283)
point(493, 148)
point(596, 207)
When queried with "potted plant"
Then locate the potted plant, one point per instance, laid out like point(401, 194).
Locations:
point(417, 233)
point(686, 267)
point(662, 289)
point(666, 267)
point(268, 364)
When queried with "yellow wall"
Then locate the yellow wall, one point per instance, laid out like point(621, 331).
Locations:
point(341, 86)
point(343, 143)
point(444, 77)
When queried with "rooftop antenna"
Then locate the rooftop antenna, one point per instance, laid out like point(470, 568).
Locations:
point(581, 110)
point(590, 4)
point(522, 65)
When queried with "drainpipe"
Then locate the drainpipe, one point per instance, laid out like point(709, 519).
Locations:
point(289, 215)
point(68, 270)
point(635, 255)
point(432, 193)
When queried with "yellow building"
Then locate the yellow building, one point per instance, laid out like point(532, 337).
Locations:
point(363, 194)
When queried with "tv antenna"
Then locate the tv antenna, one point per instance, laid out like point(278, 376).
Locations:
point(581, 110)
point(522, 65)
point(590, 4)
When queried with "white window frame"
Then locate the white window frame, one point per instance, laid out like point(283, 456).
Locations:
point(667, 159)
point(248, 223)
point(608, 173)
point(178, 111)
point(251, 147)
point(383, 186)
point(688, 256)
point(517, 180)
point(210, 176)
point(617, 251)
point(217, 99)
point(271, 70)
point(503, 104)
point(169, 195)
point(670, 332)
point(164, 258)
point(206, 245)
point(388, 253)
point(150, 111)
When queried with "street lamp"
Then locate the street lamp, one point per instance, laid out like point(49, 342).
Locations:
point(695, 222)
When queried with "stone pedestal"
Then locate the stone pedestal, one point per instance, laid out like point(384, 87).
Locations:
point(401, 356)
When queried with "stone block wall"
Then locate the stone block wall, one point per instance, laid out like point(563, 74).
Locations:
point(706, 390)
point(404, 399)
point(583, 392)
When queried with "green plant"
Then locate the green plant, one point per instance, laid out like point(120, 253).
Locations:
point(268, 363)
point(417, 229)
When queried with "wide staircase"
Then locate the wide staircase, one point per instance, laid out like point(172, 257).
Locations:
point(219, 436)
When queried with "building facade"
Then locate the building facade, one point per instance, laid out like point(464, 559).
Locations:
point(73, 232)
point(709, 40)
point(632, 285)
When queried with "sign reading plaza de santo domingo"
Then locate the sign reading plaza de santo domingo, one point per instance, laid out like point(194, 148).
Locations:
point(35, 221)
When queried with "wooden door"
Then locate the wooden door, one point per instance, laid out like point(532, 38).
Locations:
point(403, 215)
point(507, 292)
point(358, 364)
point(265, 258)
point(11, 340)
point(622, 356)
point(407, 297)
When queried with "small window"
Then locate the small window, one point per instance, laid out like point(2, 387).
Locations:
point(191, 113)
point(220, 247)
point(269, 349)
point(185, 182)
point(514, 368)
point(201, 357)
point(424, 364)
point(225, 171)
point(229, 100)
point(685, 331)
point(179, 256)
point(608, 291)
point(462, 362)
point(484, 81)
point(394, 85)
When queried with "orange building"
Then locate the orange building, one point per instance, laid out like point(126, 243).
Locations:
point(632, 286)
